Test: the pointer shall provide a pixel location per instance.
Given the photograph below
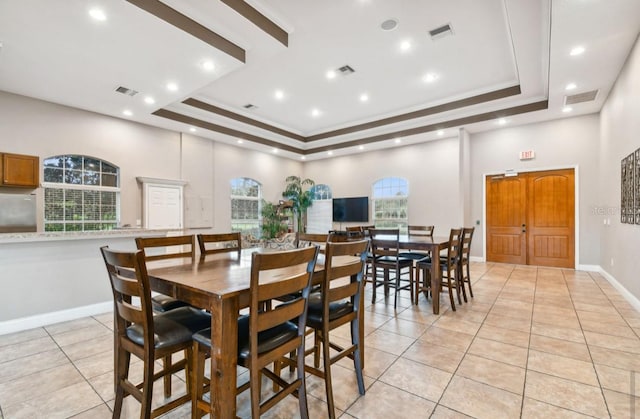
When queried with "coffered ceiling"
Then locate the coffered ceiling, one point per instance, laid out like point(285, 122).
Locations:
point(256, 73)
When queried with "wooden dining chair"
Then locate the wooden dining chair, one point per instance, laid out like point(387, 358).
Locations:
point(345, 236)
point(220, 243)
point(465, 255)
point(267, 336)
point(147, 336)
point(449, 267)
point(417, 231)
point(310, 239)
point(159, 249)
point(162, 248)
point(337, 304)
point(385, 257)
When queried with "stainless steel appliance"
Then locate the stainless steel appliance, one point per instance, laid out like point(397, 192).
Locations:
point(17, 213)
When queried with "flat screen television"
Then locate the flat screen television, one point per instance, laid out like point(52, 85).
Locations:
point(351, 209)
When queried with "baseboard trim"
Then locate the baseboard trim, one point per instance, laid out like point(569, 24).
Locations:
point(589, 268)
point(632, 299)
point(44, 319)
point(476, 259)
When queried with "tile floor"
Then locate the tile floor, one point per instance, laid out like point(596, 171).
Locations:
point(533, 343)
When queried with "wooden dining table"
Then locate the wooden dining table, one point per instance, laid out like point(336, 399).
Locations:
point(220, 284)
point(434, 245)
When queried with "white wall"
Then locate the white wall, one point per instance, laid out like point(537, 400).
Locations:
point(619, 136)
point(570, 142)
point(34, 127)
point(431, 168)
point(60, 276)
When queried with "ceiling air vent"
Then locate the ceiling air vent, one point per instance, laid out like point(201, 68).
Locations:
point(345, 70)
point(126, 91)
point(250, 106)
point(580, 97)
point(441, 32)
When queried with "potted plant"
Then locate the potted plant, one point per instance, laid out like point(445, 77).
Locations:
point(272, 224)
point(300, 198)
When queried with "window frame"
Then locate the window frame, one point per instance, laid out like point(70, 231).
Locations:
point(255, 231)
point(65, 187)
point(390, 200)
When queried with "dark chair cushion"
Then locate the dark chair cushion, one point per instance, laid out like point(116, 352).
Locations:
point(337, 309)
point(173, 327)
point(390, 260)
point(162, 303)
point(267, 339)
point(413, 255)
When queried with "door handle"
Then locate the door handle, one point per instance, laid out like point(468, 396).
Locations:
point(524, 228)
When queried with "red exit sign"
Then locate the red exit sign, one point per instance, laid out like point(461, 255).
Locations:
point(527, 155)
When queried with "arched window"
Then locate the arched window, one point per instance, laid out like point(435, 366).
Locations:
point(320, 212)
point(81, 193)
point(245, 205)
point(390, 203)
point(321, 192)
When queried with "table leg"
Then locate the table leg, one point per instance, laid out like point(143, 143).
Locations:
point(435, 280)
point(224, 357)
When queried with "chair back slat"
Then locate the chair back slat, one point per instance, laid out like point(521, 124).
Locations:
point(453, 251)
point(293, 273)
point(230, 242)
point(425, 231)
point(129, 312)
point(170, 244)
point(337, 268)
point(310, 239)
point(467, 236)
point(384, 242)
point(282, 285)
point(126, 289)
point(281, 314)
point(342, 292)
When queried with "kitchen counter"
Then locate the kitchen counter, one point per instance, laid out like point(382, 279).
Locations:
point(79, 235)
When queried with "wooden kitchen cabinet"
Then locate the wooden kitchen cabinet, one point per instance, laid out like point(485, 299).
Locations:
point(19, 170)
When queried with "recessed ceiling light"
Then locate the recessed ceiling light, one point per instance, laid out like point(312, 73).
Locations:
point(192, 129)
point(208, 65)
point(315, 112)
point(279, 94)
point(275, 150)
point(303, 157)
point(149, 100)
point(405, 46)
point(440, 133)
point(398, 140)
point(361, 147)
point(502, 121)
point(577, 50)
point(567, 109)
point(430, 77)
point(364, 97)
point(172, 87)
point(127, 112)
point(240, 141)
point(389, 25)
point(330, 153)
point(98, 14)
point(570, 86)
point(331, 74)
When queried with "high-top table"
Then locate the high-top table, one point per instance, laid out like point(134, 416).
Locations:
point(219, 283)
point(433, 245)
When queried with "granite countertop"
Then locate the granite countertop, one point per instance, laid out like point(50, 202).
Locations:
point(79, 235)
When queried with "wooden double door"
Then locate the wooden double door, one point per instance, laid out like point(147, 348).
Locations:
point(531, 218)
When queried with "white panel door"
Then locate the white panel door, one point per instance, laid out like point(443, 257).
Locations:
point(164, 207)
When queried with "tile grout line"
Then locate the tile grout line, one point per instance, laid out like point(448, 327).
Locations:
point(453, 374)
